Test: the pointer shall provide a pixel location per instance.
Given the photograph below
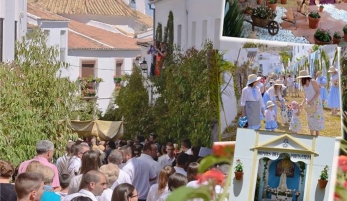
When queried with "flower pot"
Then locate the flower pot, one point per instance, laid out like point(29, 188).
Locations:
point(345, 1)
point(321, 9)
point(336, 40)
point(345, 36)
point(238, 175)
point(322, 183)
point(248, 12)
point(313, 22)
point(259, 2)
point(283, 1)
point(272, 6)
point(318, 42)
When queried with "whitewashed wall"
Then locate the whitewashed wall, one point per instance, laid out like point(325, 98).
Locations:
point(11, 11)
point(105, 68)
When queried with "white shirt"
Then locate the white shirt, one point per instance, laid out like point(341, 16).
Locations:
point(247, 95)
point(62, 163)
point(272, 95)
point(75, 165)
point(154, 164)
point(82, 192)
point(189, 151)
point(269, 115)
point(165, 160)
point(123, 177)
point(290, 81)
point(75, 184)
point(106, 195)
point(180, 170)
point(153, 194)
point(140, 173)
point(164, 196)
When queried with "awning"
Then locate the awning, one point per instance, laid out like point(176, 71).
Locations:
point(104, 130)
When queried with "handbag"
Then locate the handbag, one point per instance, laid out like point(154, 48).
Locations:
point(243, 123)
point(310, 109)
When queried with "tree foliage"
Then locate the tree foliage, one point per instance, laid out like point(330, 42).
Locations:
point(159, 33)
point(343, 68)
point(184, 108)
point(134, 105)
point(33, 98)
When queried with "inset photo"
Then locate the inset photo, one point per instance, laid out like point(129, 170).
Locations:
point(290, 89)
point(299, 21)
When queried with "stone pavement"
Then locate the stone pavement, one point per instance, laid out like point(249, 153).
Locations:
point(326, 22)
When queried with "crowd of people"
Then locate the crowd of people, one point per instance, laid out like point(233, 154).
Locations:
point(94, 170)
point(262, 97)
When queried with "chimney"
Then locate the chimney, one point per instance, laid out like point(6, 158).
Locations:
point(141, 6)
point(127, 2)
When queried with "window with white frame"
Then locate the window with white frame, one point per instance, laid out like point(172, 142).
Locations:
point(204, 31)
point(193, 33)
point(119, 64)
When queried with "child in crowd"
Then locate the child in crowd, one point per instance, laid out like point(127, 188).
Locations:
point(289, 113)
point(64, 180)
point(284, 114)
point(270, 117)
point(295, 125)
point(296, 89)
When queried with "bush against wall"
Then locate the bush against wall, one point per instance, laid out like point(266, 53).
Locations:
point(184, 108)
point(134, 105)
point(33, 99)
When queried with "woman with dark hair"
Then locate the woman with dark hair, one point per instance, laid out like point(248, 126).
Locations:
point(125, 192)
point(313, 103)
point(161, 187)
point(7, 191)
point(192, 171)
point(90, 161)
point(252, 103)
point(176, 180)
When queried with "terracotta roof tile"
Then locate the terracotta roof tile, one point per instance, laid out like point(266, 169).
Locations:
point(115, 40)
point(44, 14)
point(77, 41)
point(144, 19)
point(30, 26)
point(96, 7)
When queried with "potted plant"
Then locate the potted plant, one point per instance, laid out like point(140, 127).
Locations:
point(322, 37)
point(321, 7)
point(238, 170)
point(260, 2)
point(261, 15)
point(337, 37)
point(248, 10)
point(272, 4)
point(313, 20)
point(345, 32)
point(283, 1)
point(322, 182)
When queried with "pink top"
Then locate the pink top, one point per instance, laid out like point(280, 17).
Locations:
point(23, 166)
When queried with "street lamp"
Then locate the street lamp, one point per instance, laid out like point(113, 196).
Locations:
point(144, 66)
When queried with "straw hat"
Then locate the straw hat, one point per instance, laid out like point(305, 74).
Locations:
point(270, 104)
point(303, 74)
point(253, 78)
point(279, 82)
point(332, 69)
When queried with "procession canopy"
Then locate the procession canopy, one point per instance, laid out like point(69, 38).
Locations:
point(104, 130)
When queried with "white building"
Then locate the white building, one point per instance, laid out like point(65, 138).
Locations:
point(13, 26)
point(90, 51)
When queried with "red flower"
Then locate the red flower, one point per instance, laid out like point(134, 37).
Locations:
point(343, 162)
point(212, 175)
point(223, 148)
